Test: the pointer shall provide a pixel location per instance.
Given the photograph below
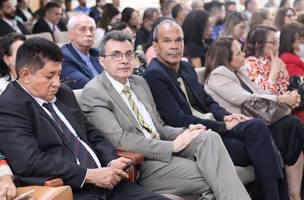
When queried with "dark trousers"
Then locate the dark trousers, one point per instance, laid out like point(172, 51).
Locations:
point(124, 190)
point(250, 143)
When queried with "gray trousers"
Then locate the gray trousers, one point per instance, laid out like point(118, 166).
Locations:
point(203, 168)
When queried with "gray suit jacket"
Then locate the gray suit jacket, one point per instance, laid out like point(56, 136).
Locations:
point(225, 88)
point(107, 111)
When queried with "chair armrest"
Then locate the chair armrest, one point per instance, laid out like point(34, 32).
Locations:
point(135, 157)
point(54, 182)
point(48, 193)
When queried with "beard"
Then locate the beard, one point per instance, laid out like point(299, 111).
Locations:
point(11, 15)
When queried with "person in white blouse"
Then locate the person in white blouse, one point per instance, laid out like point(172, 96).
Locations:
point(9, 45)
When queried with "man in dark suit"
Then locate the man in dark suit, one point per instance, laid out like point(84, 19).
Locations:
point(8, 23)
point(45, 135)
point(51, 21)
point(182, 101)
point(80, 61)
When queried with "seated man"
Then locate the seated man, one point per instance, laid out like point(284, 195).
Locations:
point(8, 23)
point(80, 61)
point(51, 22)
point(177, 161)
point(44, 134)
point(7, 186)
point(182, 101)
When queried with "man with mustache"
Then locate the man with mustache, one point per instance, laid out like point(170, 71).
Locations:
point(80, 61)
point(44, 134)
point(8, 23)
point(178, 161)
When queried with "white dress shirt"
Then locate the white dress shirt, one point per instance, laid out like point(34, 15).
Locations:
point(13, 24)
point(141, 108)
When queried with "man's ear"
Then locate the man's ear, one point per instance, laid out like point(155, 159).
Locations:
point(24, 75)
point(6, 60)
point(155, 46)
point(101, 60)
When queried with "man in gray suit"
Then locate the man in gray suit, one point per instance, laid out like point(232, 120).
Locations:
point(177, 160)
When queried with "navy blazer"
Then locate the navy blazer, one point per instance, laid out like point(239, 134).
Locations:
point(5, 28)
point(75, 72)
point(42, 26)
point(33, 143)
point(171, 103)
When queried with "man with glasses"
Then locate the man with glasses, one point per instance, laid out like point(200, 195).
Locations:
point(178, 161)
point(80, 61)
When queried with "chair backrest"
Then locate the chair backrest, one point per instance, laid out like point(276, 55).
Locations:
point(45, 35)
point(77, 94)
point(200, 74)
point(61, 37)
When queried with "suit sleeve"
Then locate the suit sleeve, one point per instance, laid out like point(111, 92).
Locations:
point(99, 111)
point(170, 110)
point(26, 157)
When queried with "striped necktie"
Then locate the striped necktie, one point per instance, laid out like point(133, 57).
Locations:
point(84, 157)
point(126, 90)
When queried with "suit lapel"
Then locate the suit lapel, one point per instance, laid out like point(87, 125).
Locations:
point(120, 102)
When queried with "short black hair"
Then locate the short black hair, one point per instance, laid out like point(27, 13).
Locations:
point(116, 26)
point(51, 5)
point(113, 35)
point(212, 6)
point(5, 49)
point(247, 2)
point(35, 52)
point(149, 12)
point(127, 14)
point(176, 9)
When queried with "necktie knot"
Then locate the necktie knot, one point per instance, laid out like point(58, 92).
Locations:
point(126, 90)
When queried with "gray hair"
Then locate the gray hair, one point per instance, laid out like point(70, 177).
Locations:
point(74, 20)
point(169, 22)
point(113, 35)
point(149, 12)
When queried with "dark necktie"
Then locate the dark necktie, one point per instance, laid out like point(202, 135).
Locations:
point(84, 157)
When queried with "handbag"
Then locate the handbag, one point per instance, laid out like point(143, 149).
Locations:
point(297, 83)
point(269, 111)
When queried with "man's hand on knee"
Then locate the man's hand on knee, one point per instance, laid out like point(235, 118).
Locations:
point(184, 139)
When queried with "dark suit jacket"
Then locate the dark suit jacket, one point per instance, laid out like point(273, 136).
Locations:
point(42, 26)
point(6, 28)
point(20, 14)
point(32, 142)
point(74, 70)
point(172, 105)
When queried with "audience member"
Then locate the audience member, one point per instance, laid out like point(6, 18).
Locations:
point(7, 186)
point(80, 61)
point(110, 15)
point(230, 7)
point(262, 16)
point(122, 107)
point(284, 16)
point(197, 5)
point(24, 11)
point(40, 12)
point(298, 6)
point(82, 7)
point(131, 18)
point(224, 62)
point(97, 10)
point(271, 4)
point(142, 35)
point(181, 100)
point(236, 27)
point(217, 14)
point(179, 12)
point(250, 7)
point(197, 28)
point(8, 23)
point(51, 22)
point(166, 7)
point(9, 45)
point(116, 4)
point(285, 4)
point(291, 52)
point(50, 135)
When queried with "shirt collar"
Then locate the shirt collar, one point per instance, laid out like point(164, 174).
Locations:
point(117, 85)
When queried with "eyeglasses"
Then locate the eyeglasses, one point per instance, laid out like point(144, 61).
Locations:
point(118, 56)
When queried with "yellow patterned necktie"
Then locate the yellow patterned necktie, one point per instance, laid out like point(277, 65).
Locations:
point(152, 131)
